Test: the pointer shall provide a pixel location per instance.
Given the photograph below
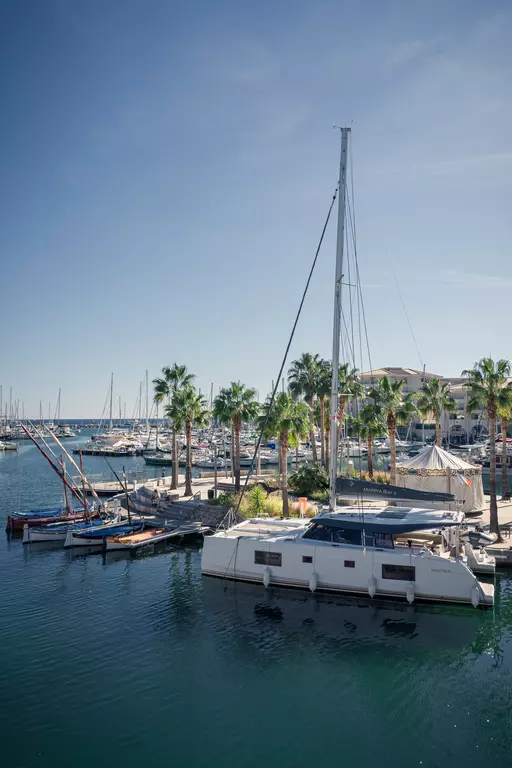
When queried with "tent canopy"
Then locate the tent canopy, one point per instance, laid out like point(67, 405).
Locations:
point(437, 471)
point(435, 459)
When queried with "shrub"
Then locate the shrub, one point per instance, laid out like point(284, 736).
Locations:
point(274, 505)
point(224, 500)
point(307, 479)
point(322, 496)
point(254, 501)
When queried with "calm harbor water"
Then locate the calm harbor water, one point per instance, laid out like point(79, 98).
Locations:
point(139, 660)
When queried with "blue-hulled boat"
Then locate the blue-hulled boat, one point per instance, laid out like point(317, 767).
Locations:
point(36, 517)
point(97, 537)
point(59, 531)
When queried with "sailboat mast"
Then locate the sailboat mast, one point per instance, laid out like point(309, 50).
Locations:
point(111, 396)
point(336, 329)
point(66, 500)
point(147, 402)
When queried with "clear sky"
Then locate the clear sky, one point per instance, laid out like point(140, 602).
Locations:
point(166, 168)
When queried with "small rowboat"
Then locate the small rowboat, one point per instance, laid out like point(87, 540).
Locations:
point(140, 539)
point(59, 531)
point(37, 517)
point(98, 537)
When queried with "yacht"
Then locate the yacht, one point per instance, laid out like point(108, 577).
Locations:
point(356, 551)
point(378, 551)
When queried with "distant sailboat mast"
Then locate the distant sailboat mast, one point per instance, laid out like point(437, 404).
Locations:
point(110, 424)
point(336, 330)
point(147, 402)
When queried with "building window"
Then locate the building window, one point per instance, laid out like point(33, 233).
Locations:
point(307, 559)
point(267, 558)
point(399, 572)
point(350, 563)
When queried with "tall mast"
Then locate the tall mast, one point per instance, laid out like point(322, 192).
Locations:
point(111, 395)
point(147, 402)
point(336, 330)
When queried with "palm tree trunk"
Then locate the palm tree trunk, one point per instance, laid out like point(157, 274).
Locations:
point(232, 451)
point(438, 430)
point(494, 527)
point(175, 460)
point(505, 493)
point(312, 431)
point(370, 455)
point(188, 467)
point(283, 450)
point(392, 448)
point(322, 431)
point(237, 456)
point(258, 461)
point(327, 443)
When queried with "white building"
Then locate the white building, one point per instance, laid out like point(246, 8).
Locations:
point(459, 427)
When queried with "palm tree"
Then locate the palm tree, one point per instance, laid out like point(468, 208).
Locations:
point(369, 423)
point(290, 422)
point(235, 405)
point(303, 382)
point(434, 398)
point(173, 379)
point(349, 387)
point(488, 384)
point(188, 408)
point(504, 411)
point(397, 407)
point(322, 391)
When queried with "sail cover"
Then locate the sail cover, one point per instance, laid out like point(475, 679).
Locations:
point(347, 486)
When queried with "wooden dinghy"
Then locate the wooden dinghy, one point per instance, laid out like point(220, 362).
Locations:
point(140, 539)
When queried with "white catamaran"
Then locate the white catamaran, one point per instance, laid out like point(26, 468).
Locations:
point(369, 550)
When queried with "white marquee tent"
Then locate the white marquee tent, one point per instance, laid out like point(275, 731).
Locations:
point(438, 471)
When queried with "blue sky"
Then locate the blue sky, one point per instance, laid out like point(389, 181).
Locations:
point(167, 167)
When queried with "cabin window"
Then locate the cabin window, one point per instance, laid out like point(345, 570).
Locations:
point(350, 563)
point(384, 540)
point(307, 559)
point(267, 558)
point(326, 532)
point(399, 572)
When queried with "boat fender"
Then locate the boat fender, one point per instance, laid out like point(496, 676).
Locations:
point(26, 534)
point(266, 576)
point(409, 592)
point(313, 581)
point(372, 586)
point(69, 538)
point(475, 596)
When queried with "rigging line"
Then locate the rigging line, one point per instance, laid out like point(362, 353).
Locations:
point(352, 225)
point(350, 304)
point(352, 219)
point(283, 363)
point(350, 347)
point(405, 310)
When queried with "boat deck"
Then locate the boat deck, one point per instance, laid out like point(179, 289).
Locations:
point(254, 528)
point(143, 536)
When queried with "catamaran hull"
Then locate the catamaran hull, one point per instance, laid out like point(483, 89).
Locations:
point(343, 569)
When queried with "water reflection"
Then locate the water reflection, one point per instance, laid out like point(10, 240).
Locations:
point(352, 622)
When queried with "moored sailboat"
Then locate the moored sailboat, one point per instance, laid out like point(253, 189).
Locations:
point(353, 550)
